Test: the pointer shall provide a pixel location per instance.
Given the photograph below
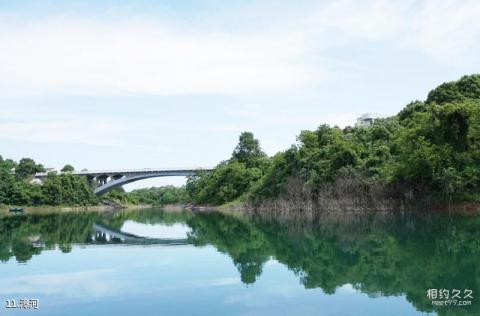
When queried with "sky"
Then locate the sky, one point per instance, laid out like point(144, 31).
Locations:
point(148, 84)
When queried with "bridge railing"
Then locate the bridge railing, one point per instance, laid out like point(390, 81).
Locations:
point(126, 171)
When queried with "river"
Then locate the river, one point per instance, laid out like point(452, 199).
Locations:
point(153, 262)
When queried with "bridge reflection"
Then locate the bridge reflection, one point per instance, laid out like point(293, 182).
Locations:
point(107, 235)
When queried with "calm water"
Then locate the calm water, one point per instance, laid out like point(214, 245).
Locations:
point(182, 263)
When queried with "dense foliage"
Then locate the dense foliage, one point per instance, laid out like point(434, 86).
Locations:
point(17, 189)
point(430, 151)
point(233, 178)
point(159, 195)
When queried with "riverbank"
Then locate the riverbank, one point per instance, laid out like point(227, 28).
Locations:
point(472, 208)
point(283, 207)
point(340, 206)
point(4, 209)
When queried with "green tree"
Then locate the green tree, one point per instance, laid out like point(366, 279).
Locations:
point(430, 148)
point(7, 164)
point(27, 168)
point(231, 179)
point(66, 189)
point(248, 150)
point(68, 168)
point(468, 87)
point(159, 195)
point(16, 189)
point(410, 109)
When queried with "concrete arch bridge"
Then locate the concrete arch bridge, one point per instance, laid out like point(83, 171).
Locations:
point(103, 181)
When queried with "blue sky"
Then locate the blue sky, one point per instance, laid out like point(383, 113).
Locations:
point(125, 84)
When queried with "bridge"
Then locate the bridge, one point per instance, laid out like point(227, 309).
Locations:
point(103, 181)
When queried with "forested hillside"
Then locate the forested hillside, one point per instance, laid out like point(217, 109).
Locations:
point(428, 154)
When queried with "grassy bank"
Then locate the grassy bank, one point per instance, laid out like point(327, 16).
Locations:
point(4, 209)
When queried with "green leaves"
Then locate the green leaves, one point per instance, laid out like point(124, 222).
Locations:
point(16, 189)
point(468, 87)
point(27, 168)
point(68, 168)
point(431, 147)
point(438, 148)
point(233, 178)
point(158, 195)
point(66, 189)
point(248, 150)
point(226, 183)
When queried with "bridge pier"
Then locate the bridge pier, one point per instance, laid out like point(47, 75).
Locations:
point(102, 180)
point(91, 180)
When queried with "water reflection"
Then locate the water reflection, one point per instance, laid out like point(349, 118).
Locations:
point(377, 254)
point(107, 235)
point(175, 230)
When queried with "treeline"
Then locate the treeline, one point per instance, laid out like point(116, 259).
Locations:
point(16, 187)
point(428, 154)
point(158, 196)
point(163, 195)
point(66, 189)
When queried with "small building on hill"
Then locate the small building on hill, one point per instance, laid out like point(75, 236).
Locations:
point(367, 119)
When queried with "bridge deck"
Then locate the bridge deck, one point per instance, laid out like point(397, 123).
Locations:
point(94, 173)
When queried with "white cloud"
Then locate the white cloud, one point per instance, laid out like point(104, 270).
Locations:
point(371, 20)
point(142, 56)
point(80, 285)
point(125, 55)
point(447, 31)
point(199, 284)
point(225, 281)
point(80, 131)
point(290, 116)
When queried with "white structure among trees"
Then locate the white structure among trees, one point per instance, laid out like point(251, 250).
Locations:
point(367, 119)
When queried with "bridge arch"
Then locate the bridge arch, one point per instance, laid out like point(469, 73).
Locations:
point(115, 183)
